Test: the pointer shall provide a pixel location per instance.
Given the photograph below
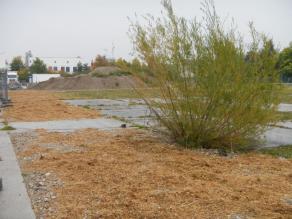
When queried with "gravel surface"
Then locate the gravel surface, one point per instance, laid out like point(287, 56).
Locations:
point(40, 188)
point(40, 185)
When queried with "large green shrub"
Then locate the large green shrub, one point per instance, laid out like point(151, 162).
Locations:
point(211, 95)
point(284, 64)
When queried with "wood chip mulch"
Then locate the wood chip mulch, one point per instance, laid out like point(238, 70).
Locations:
point(32, 105)
point(133, 173)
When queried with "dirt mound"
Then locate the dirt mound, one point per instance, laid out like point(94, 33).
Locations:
point(85, 82)
point(105, 71)
point(108, 77)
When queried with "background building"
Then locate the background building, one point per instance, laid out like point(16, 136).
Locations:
point(55, 64)
point(37, 78)
point(12, 76)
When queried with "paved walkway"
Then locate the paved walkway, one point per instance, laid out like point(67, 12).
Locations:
point(14, 200)
point(68, 125)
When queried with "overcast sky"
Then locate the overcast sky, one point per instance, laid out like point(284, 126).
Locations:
point(89, 27)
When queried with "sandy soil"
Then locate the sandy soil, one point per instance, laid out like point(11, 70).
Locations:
point(42, 106)
point(134, 174)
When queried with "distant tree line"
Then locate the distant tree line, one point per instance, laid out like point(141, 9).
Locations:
point(282, 62)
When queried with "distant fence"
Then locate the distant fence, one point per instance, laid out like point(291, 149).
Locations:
point(3, 88)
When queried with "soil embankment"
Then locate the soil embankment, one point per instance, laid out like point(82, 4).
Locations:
point(100, 78)
point(87, 82)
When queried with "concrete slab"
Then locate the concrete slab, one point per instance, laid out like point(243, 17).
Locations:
point(14, 200)
point(133, 110)
point(286, 124)
point(68, 125)
point(278, 136)
point(285, 107)
point(97, 102)
point(137, 113)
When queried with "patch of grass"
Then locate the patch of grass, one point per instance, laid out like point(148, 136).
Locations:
point(286, 94)
point(7, 128)
point(25, 174)
point(284, 116)
point(127, 121)
point(282, 151)
point(114, 73)
point(86, 107)
point(120, 119)
point(139, 126)
point(107, 94)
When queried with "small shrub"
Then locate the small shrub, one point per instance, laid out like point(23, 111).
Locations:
point(65, 74)
point(212, 95)
point(7, 128)
point(86, 107)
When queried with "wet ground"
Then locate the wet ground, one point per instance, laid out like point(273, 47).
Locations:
point(135, 112)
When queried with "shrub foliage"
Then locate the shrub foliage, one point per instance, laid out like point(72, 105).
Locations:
point(211, 95)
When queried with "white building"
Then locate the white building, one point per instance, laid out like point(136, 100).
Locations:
point(37, 78)
point(12, 76)
point(55, 64)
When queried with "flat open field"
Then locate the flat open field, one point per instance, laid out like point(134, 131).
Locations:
point(42, 106)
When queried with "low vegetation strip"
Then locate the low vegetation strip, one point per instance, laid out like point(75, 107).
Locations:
point(108, 93)
point(286, 94)
point(43, 106)
point(282, 151)
point(135, 174)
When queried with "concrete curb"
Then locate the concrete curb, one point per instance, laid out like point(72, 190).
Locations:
point(14, 200)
